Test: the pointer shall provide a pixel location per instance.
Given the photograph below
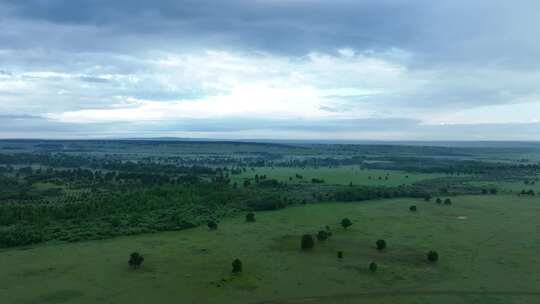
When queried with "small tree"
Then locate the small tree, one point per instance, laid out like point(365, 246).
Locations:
point(432, 256)
point(346, 223)
point(412, 208)
point(237, 266)
point(250, 217)
point(381, 245)
point(307, 242)
point(427, 198)
point(212, 225)
point(447, 201)
point(340, 254)
point(373, 267)
point(135, 260)
point(438, 201)
point(322, 235)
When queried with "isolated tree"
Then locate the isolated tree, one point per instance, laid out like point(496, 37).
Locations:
point(412, 208)
point(373, 267)
point(250, 217)
point(346, 223)
point(237, 266)
point(447, 201)
point(322, 235)
point(135, 260)
point(212, 225)
point(381, 245)
point(340, 254)
point(307, 242)
point(438, 201)
point(432, 256)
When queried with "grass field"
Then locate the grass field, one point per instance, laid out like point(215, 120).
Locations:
point(488, 248)
point(341, 175)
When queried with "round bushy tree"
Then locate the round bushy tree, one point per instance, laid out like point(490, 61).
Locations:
point(212, 225)
point(432, 256)
point(373, 267)
point(135, 260)
point(250, 217)
point(340, 254)
point(237, 266)
point(322, 235)
point(413, 208)
point(381, 245)
point(447, 201)
point(307, 242)
point(346, 223)
point(438, 201)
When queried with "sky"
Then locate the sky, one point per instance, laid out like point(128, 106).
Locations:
point(270, 69)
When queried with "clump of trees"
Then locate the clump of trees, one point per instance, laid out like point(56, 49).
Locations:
point(346, 223)
point(307, 242)
point(250, 217)
point(381, 245)
point(413, 208)
point(448, 201)
point(373, 267)
point(212, 225)
point(438, 200)
point(135, 260)
point(236, 266)
point(322, 235)
point(432, 256)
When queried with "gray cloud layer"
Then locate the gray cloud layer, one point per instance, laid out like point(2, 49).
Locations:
point(427, 60)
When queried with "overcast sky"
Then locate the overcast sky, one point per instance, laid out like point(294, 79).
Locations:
point(274, 69)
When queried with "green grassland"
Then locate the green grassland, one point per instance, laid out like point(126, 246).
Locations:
point(488, 247)
point(342, 175)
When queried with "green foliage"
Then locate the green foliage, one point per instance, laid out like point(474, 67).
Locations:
point(346, 223)
point(212, 225)
point(135, 260)
point(307, 242)
point(381, 245)
point(250, 217)
point(340, 254)
point(448, 201)
point(237, 266)
point(373, 267)
point(413, 208)
point(322, 235)
point(432, 256)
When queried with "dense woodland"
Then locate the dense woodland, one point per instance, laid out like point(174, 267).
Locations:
point(73, 191)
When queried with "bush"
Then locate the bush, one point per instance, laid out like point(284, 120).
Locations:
point(373, 267)
point(307, 242)
point(413, 208)
point(250, 217)
point(438, 201)
point(340, 254)
point(212, 225)
point(447, 201)
point(135, 260)
point(322, 235)
point(381, 245)
point(432, 256)
point(237, 266)
point(346, 223)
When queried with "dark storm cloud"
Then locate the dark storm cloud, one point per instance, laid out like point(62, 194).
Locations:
point(471, 32)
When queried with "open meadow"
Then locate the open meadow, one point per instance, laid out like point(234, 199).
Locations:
point(488, 248)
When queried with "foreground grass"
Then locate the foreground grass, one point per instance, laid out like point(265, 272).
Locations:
point(488, 249)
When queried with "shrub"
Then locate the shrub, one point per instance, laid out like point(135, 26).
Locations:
point(346, 223)
point(237, 266)
point(447, 201)
point(432, 256)
point(135, 260)
point(322, 235)
point(250, 217)
point(438, 201)
point(340, 254)
point(381, 245)
point(212, 225)
point(373, 267)
point(413, 208)
point(307, 242)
